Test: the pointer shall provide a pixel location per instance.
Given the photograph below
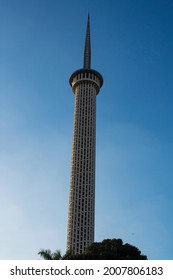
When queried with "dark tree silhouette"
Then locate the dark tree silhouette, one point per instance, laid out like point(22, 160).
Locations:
point(109, 249)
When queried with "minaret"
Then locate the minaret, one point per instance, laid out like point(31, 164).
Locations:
point(85, 84)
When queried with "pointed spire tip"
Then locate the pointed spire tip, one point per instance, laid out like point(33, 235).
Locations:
point(87, 49)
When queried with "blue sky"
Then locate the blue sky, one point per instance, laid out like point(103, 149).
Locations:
point(132, 47)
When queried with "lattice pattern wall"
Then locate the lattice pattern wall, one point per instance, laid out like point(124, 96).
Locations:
point(86, 85)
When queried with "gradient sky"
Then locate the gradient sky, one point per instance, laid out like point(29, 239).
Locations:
point(42, 43)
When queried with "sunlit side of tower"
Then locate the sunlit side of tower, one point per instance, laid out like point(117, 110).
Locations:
point(85, 84)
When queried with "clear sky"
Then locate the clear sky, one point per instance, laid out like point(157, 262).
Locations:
point(42, 43)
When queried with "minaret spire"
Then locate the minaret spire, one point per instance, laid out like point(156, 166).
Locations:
point(87, 49)
point(86, 84)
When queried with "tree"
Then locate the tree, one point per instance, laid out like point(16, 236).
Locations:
point(109, 249)
point(48, 255)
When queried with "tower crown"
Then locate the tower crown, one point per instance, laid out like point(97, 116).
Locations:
point(86, 74)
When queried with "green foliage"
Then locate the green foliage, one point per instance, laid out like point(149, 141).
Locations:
point(48, 255)
point(109, 249)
